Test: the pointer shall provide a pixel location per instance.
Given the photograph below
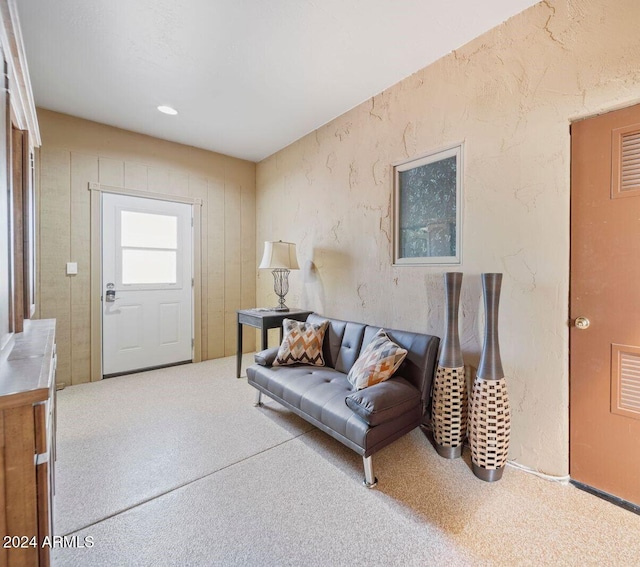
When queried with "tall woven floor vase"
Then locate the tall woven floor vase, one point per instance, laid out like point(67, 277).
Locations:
point(450, 399)
point(490, 419)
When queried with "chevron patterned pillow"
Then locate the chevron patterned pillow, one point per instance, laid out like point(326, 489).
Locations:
point(378, 361)
point(302, 343)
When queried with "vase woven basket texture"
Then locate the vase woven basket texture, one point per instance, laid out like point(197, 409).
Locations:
point(450, 407)
point(490, 424)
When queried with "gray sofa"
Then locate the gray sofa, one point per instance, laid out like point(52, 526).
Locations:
point(365, 420)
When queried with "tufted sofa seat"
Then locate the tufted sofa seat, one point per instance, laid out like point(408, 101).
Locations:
point(365, 420)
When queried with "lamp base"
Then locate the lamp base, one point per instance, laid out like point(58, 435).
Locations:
point(281, 287)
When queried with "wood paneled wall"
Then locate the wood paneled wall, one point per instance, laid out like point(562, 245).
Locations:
point(75, 152)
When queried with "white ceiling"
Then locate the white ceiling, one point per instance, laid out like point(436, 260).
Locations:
point(248, 77)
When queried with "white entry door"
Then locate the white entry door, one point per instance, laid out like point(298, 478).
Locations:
point(147, 297)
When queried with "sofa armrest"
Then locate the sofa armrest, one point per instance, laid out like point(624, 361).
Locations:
point(384, 401)
point(266, 357)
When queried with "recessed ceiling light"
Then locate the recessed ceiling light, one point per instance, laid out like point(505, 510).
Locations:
point(168, 110)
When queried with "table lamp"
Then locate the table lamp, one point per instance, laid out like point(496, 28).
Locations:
point(280, 258)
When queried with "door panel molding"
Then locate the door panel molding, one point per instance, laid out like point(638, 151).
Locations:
point(96, 190)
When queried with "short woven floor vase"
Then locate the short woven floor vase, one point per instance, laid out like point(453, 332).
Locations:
point(450, 400)
point(490, 419)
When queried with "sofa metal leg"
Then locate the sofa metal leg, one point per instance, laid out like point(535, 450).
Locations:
point(258, 402)
point(370, 480)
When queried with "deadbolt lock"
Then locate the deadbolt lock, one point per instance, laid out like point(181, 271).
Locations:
point(582, 323)
point(110, 296)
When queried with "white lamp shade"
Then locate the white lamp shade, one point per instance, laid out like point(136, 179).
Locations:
point(278, 254)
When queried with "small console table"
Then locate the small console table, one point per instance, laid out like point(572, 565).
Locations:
point(264, 319)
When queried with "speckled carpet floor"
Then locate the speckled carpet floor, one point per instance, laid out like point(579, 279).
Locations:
point(176, 467)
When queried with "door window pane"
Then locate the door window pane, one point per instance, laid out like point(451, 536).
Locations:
point(144, 266)
point(147, 230)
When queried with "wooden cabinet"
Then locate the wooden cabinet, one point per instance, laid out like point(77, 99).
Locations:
point(27, 445)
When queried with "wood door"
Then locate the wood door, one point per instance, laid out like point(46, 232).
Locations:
point(605, 290)
point(147, 266)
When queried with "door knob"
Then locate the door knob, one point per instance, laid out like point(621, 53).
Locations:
point(582, 323)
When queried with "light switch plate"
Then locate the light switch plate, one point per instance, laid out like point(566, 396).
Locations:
point(72, 268)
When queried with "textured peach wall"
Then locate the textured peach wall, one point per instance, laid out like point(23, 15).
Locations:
point(510, 96)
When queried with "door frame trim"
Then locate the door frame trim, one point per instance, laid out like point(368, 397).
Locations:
point(96, 190)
